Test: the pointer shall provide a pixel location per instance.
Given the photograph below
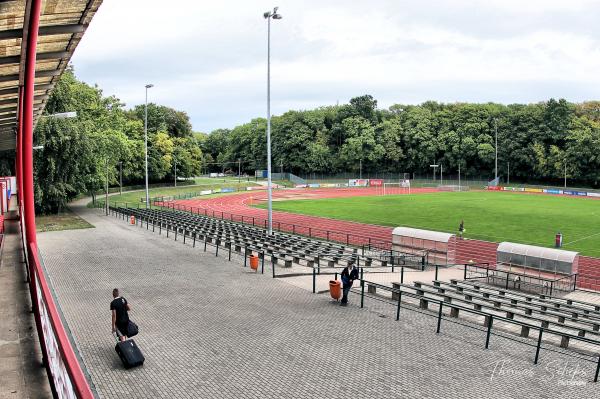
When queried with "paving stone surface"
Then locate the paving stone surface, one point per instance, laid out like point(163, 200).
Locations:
point(211, 329)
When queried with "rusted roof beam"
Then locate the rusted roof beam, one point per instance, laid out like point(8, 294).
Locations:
point(44, 31)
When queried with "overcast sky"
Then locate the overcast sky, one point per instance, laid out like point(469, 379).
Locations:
point(208, 58)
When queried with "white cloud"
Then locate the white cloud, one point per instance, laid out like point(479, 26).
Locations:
point(208, 58)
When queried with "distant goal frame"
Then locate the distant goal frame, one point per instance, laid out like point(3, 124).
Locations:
point(396, 188)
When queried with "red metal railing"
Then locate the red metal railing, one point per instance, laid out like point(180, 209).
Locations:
point(65, 372)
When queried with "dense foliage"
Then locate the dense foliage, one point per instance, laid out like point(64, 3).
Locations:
point(78, 153)
point(538, 140)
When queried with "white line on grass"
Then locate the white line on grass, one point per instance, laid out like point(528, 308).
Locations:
point(581, 239)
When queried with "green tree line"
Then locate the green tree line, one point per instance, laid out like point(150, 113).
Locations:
point(538, 140)
point(77, 154)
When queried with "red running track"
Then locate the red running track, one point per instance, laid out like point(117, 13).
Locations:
point(237, 207)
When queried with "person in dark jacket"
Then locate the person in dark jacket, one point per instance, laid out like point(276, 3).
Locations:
point(349, 274)
point(120, 318)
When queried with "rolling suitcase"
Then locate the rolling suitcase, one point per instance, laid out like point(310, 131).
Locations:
point(130, 354)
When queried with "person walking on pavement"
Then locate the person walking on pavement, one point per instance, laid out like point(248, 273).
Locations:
point(120, 318)
point(349, 274)
point(461, 229)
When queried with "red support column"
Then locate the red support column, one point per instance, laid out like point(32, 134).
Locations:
point(27, 171)
point(19, 157)
point(27, 141)
point(17, 151)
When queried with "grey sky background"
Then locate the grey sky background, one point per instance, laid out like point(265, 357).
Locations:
point(208, 58)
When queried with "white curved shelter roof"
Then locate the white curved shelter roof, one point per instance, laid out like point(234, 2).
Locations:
point(532, 251)
point(422, 234)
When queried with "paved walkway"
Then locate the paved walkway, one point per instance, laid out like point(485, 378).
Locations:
point(21, 371)
point(211, 329)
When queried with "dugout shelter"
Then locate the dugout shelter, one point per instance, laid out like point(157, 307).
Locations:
point(439, 248)
point(530, 268)
point(538, 260)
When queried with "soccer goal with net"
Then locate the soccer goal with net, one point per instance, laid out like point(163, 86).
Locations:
point(403, 187)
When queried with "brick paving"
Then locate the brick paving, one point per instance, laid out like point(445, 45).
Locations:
point(211, 329)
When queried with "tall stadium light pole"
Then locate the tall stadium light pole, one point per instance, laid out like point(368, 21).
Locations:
point(146, 142)
point(268, 16)
point(360, 168)
point(106, 194)
point(435, 166)
point(175, 183)
point(496, 128)
point(120, 177)
point(459, 189)
point(460, 158)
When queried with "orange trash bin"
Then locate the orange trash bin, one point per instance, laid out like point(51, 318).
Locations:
point(335, 289)
point(254, 262)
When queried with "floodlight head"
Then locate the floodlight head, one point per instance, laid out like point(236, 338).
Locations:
point(277, 16)
point(149, 86)
point(61, 115)
point(267, 14)
point(64, 115)
point(275, 10)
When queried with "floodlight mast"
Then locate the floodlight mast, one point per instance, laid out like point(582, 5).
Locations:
point(268, 16)
point(496, 145)
point(148, 86)
point(434, 166)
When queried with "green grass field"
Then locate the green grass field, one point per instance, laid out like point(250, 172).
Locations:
point(491, 216)
point(66, 220)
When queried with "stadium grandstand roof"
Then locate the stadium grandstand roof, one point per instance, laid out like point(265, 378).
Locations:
point(62, 25)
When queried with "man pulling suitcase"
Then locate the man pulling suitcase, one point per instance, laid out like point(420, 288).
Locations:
point(120, 316)
point(122, 327)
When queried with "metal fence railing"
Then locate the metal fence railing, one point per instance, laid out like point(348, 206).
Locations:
point(521, 281)
point(361, 259)
point(369, 243)
point(362, 253)
point(491, 320)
